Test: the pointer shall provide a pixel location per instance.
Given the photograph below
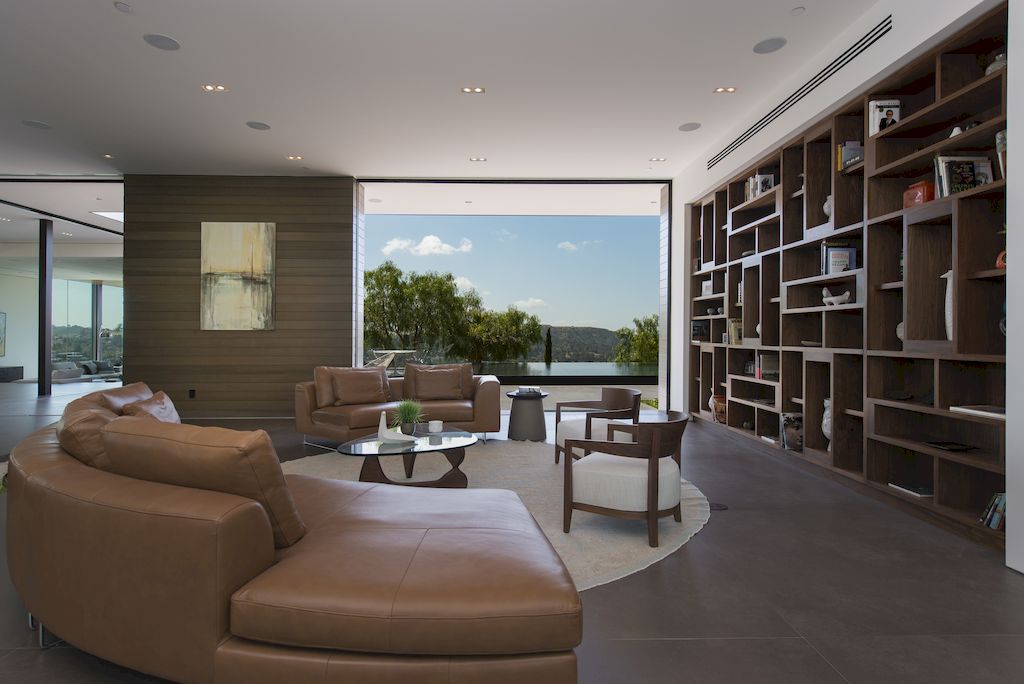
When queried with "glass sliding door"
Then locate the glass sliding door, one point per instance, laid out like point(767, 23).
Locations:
point(72, 321)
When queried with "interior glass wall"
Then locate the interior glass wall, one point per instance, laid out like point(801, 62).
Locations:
point(72, 321)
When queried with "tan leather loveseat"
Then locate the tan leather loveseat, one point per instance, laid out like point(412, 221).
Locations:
point(345, 403)
point(274, 578)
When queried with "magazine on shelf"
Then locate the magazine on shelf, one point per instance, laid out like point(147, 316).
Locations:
point(957, 173)
point(882, 114)
point(916, 491)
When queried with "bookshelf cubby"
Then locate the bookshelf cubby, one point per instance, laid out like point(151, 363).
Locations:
point(894, 374)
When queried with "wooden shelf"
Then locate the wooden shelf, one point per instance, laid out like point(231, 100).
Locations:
point(824, 307)
point(894, 285)
point(989, 274)
point(709, 317)
point(978, 458)
point(901, 254)
point(824, 279)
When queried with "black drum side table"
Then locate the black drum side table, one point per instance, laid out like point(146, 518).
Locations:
point(526, 421)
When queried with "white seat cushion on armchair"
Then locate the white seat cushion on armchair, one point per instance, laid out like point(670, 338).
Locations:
point(620, 483)
point(575, 428)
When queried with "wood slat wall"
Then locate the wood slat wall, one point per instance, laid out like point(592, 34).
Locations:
point(236, 373)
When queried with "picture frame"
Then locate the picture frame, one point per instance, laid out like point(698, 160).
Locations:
point(882, 114)
point(707, 287)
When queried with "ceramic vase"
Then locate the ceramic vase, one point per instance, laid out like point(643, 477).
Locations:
point(948, 277)
point(408, 428)
point(826, 422)
point(827, 206)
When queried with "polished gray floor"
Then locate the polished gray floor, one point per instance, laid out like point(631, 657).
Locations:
point(805, 578)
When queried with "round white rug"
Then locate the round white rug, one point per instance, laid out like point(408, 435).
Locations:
point(598, 549)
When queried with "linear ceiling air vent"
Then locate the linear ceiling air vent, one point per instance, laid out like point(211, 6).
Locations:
point(869, 39)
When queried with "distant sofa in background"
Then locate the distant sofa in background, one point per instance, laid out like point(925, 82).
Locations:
point(64, 372)
point(341, 404)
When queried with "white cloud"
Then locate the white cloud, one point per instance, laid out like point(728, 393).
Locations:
point(395, 245)
point(430, 245)
point(575, 246)
point(505, 235)
point(464, 283)
point(531, 303)
point(567, 246)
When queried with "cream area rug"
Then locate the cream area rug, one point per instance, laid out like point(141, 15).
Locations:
point(599, 549)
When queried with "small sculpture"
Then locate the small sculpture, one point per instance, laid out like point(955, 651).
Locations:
point(834, 300)
point(827, 206)
point(826, 423)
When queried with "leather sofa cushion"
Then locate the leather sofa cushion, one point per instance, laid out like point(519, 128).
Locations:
point(453, 410)
point(359, 386)
point(218, 459)
point(411, 388)
point(438, 383)
point(327, 392)
point(78, 432)
point(359, 416)
point(119, 397)
point(388, 569)
point(158, 406)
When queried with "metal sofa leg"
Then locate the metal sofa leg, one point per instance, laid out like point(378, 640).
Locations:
point(42, 639)
point(32, 624)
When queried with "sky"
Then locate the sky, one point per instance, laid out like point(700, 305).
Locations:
point(597, 271)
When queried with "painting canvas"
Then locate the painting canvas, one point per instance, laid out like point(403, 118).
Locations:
point(237, 289)
point(3, 334)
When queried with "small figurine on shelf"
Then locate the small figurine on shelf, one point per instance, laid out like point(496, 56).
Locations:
point(826, 422)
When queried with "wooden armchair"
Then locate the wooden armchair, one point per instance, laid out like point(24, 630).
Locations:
point(615, 403)
point(638, 479)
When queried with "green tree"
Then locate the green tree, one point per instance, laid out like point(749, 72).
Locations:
point(547, 348)
point(640, 343)
point(499, 335)
point(415, 310)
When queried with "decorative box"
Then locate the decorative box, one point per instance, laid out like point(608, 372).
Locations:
point(918, 193)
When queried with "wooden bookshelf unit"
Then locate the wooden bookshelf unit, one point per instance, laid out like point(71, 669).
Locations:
point(888, 358)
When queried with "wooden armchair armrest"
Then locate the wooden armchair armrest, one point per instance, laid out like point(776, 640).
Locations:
point(628, 449)
point(573, 404)
point(631, 429)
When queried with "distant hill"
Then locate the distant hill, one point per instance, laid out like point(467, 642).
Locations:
point(570, 343)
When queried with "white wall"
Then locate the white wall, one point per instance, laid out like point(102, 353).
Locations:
point(1015, 286)
point(19, 299)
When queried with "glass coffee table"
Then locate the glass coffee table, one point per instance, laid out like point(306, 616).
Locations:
point(451, 442)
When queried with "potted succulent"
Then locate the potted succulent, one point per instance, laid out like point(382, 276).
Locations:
point(407, 415)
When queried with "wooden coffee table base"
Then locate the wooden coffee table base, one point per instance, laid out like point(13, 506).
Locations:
point(454, 478)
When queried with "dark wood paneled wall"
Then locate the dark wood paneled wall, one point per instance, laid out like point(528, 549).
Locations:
point(237, 373)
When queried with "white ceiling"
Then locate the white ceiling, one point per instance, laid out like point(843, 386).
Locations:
point(75, 201)
point(514, 199)
point(575, 88)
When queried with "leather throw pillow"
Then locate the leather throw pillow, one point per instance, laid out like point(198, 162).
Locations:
point(353, 386)
point(158, 406)
point(79, 434)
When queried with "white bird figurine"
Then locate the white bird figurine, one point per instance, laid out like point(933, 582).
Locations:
point(834, 300)
point(394, 436)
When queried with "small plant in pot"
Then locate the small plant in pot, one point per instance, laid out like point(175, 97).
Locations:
point(407, 415)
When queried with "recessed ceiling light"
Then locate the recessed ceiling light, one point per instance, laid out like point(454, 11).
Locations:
point(294, 157)
point(123, 7)
point(213, 88)
point(4, 218)
point(376, 200)
point(798, 10)
point(108, 156)
point(654, 201)
point(257, 125)
point(478, 159)
point(769, 45)
point(40, 125)
point(469, 201)
point(657, 159)
point(691, 126)
point(162, 42)
point(474, 90)
point(725, 89)
point(65, 234)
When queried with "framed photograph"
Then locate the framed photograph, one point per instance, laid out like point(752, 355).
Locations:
point(882, 114)
point(707, 288)
point(763, 182)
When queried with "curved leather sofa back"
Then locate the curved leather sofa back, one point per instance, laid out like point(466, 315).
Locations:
point(139, 573)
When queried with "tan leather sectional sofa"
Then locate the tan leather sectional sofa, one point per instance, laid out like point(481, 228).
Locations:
point(341, 404)
point(185, 553)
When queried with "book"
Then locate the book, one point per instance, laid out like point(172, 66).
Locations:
point(825, 246)
point(839, 259)
point(987, 513)
point(957, 173)
point(982, 410)
point(916, 491)
point(882, 114)
point(735, 331)
point(998, 517)
point(950, 446)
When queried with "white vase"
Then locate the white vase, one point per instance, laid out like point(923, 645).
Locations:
point(827, 206)
point(826, 422)
point(948, 277)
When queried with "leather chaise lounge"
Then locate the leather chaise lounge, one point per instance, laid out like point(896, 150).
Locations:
point(306, 580)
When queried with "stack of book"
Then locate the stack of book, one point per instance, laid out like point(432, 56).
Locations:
point(994, 516)
point(957, 173)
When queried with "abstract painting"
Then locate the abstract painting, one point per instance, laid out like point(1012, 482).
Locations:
point(237, 289)
point(3, 334)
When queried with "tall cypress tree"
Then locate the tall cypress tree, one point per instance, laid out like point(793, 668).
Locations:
point(547, 348)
